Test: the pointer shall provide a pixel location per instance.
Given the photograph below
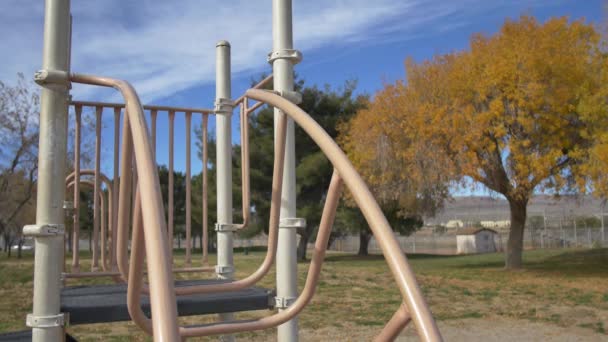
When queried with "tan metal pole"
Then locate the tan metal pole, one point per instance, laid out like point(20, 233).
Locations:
point(96, 205)
point(153, 115)
point(205, 191)
point(394, 327)
point(76, 217)
point(170, 192)
point(115, 185)
point(188, 190)
point(52, 147)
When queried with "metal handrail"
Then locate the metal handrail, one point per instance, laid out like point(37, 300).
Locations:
point(136, 140)
point(344, 172)
point(149, 227)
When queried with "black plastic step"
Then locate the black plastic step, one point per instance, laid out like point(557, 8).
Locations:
point(26, 336)
point(108, 303)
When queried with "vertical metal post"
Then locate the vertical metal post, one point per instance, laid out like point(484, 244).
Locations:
point(223, 93)
point(170, 185)
point(283, 58)
point(188, 190)
point(96, 189)
point(204, 189)
point(153, 115)
point(76, 216)
point(48, 261)
point(115, 188)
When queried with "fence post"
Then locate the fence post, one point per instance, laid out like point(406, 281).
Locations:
point(575, 233)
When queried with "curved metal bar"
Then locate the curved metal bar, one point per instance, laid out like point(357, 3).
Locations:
point(101, 197)
point(263, 269)
point(314, 270)
point(396, 259)
point(397, 323)
point(162, 296)
point(111, 213)
point(325, 225)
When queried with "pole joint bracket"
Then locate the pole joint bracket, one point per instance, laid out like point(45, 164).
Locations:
point(46, 321)
point(44, 230)
point(283, 302)
point(292, 55)
point(291, 96)
point(225, 227)
point(292, 223)
point(46, 77)
point(223, 106)
point(224, 270)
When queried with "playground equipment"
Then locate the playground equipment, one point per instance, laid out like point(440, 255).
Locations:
point(136, 204)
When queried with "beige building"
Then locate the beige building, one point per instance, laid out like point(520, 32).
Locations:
point(476, 240)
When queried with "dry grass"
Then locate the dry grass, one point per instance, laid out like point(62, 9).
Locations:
point(567, 288)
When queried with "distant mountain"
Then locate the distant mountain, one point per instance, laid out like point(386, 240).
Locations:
point(486, 208)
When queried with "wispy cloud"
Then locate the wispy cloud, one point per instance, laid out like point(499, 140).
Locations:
point(164, 47)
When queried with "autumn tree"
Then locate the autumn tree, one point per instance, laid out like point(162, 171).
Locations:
point(518, 112)
point(18, 157)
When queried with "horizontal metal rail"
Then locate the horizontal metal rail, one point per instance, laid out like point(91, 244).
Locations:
point(145, 107)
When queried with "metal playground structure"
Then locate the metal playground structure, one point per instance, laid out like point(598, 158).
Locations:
point(132, 228)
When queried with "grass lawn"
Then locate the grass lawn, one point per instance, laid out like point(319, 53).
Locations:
point(567, 288)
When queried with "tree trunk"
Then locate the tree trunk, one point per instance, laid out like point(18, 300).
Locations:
point(364, 238)
point(303, 244)
point(19, 249)
point(516, 233)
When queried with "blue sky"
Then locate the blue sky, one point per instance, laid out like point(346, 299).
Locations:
point(166, 48)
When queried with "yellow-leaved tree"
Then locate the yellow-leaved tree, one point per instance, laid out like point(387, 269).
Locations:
point(518, 111)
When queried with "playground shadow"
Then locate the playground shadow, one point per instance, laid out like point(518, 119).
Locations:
point(585, 262)
point(372, 257)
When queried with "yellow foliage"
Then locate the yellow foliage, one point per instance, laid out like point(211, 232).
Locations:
point(522, 109)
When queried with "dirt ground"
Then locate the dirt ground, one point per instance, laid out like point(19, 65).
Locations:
point(504, 330)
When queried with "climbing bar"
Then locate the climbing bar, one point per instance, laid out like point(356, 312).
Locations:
point(101, 198)
point(76, 226)
point(136, 141)
point(113, 260)
point(188, 189)
point(111, 222)
point(205, 231)
point(95, 265)
point(170, 191)
point(400, 268)
point(393, 328)
point(312, 278)
point(111, 227)
point(266, 81)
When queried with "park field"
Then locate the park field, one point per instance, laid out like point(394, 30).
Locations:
point(560, 295)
